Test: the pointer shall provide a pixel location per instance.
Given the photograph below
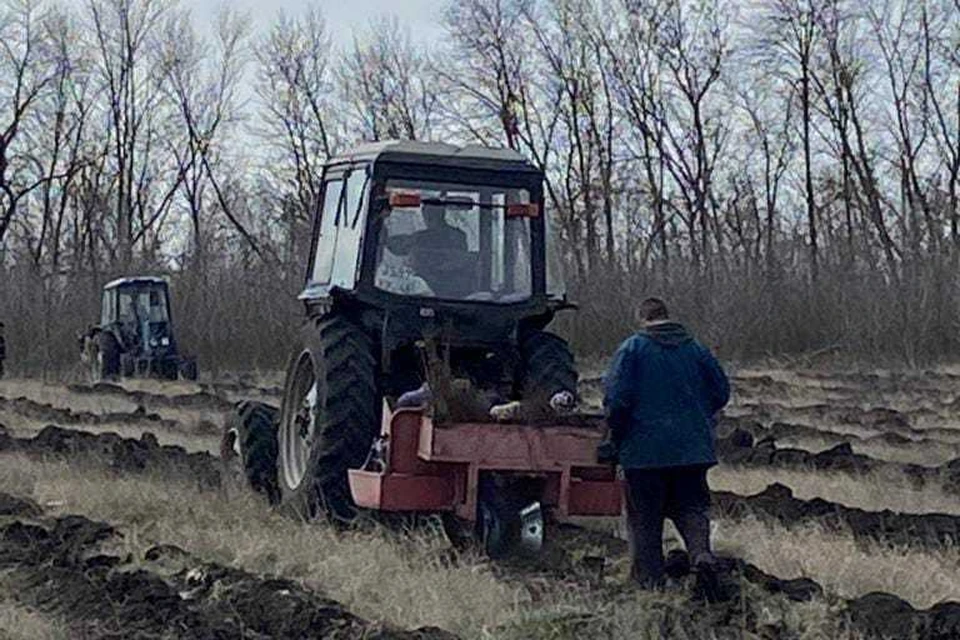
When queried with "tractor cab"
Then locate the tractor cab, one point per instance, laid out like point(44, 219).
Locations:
point(464, 243)
point(140, 310)
point(434, 226)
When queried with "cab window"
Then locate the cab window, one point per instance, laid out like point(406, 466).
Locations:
point(106, 312)
point(327, 240)
point(350, 229)
point(341, 229)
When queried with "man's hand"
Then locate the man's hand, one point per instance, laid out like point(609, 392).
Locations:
point(563, 402)
point(509, 412)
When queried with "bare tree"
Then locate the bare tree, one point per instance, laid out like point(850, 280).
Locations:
point(485, 72)
point(941, 85)
point(770, 112)
point(693, 43)
point(385, 81)
point(26, 70)
point(130, 65)
point(205, 86)
point(490, 96)
point(843, 103)
point(61, 123)
point(790, 35)
point(574, 57)
point(635, 67)
point(295, 86)
point(899, 37)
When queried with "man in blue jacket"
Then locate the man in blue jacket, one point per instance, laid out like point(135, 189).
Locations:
point(663, 391)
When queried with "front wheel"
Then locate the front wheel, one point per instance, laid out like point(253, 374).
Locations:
point(330, 417)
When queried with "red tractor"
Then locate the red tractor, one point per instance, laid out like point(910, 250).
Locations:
point(431, 271)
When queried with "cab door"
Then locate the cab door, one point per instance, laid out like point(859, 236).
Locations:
point(340, 235)
point(352, 220)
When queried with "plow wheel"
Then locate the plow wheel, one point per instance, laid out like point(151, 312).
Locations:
point(509, 523)
point(330, 417)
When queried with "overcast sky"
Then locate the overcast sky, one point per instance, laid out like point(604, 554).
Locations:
point(421, 17)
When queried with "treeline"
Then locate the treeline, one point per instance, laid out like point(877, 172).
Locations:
point(786, 172)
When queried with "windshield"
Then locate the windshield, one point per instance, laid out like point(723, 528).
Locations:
point(143, 304)
point(143, 317)
point(455, 242)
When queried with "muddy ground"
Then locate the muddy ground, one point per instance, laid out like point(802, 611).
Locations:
point(58, 568)
point(66, 565)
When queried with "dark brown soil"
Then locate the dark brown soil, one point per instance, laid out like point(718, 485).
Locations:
point(776, 502)
point(58, 569)
point(198, 400)
point(42, 412)
point(740, 448)
point(221, 388)
point(122, 455)
point(783, 430)
point(170, 594)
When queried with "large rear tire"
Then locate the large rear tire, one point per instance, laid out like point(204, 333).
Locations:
point(548, 366)
point(330, 418)
point(106, 361)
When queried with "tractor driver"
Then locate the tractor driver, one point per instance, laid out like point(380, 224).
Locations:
point(438, 253)
point(131, 318)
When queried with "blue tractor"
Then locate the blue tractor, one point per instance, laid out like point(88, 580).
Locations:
point(135, 336)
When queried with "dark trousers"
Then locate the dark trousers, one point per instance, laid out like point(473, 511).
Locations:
point(678, 493)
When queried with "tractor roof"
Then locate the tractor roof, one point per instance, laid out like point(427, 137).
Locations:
point(134, 281)
point(436, 153)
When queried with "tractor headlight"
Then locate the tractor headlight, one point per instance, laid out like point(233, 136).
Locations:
point(165, 342)
point(152, 342)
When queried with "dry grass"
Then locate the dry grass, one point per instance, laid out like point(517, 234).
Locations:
point(945, 425)
point(656, 617)
point(198, 428)
point(923, 453)
point(407, 580)
point(928, 400)
point(57, 395)
point(375, 575)
point(26, 428)
point(403, 579)
point(873, 492)
point(843, 565)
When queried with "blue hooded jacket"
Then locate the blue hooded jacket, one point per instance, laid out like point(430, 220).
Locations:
point(663, 390)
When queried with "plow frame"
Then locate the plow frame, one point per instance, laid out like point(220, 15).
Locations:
point(434, 468)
